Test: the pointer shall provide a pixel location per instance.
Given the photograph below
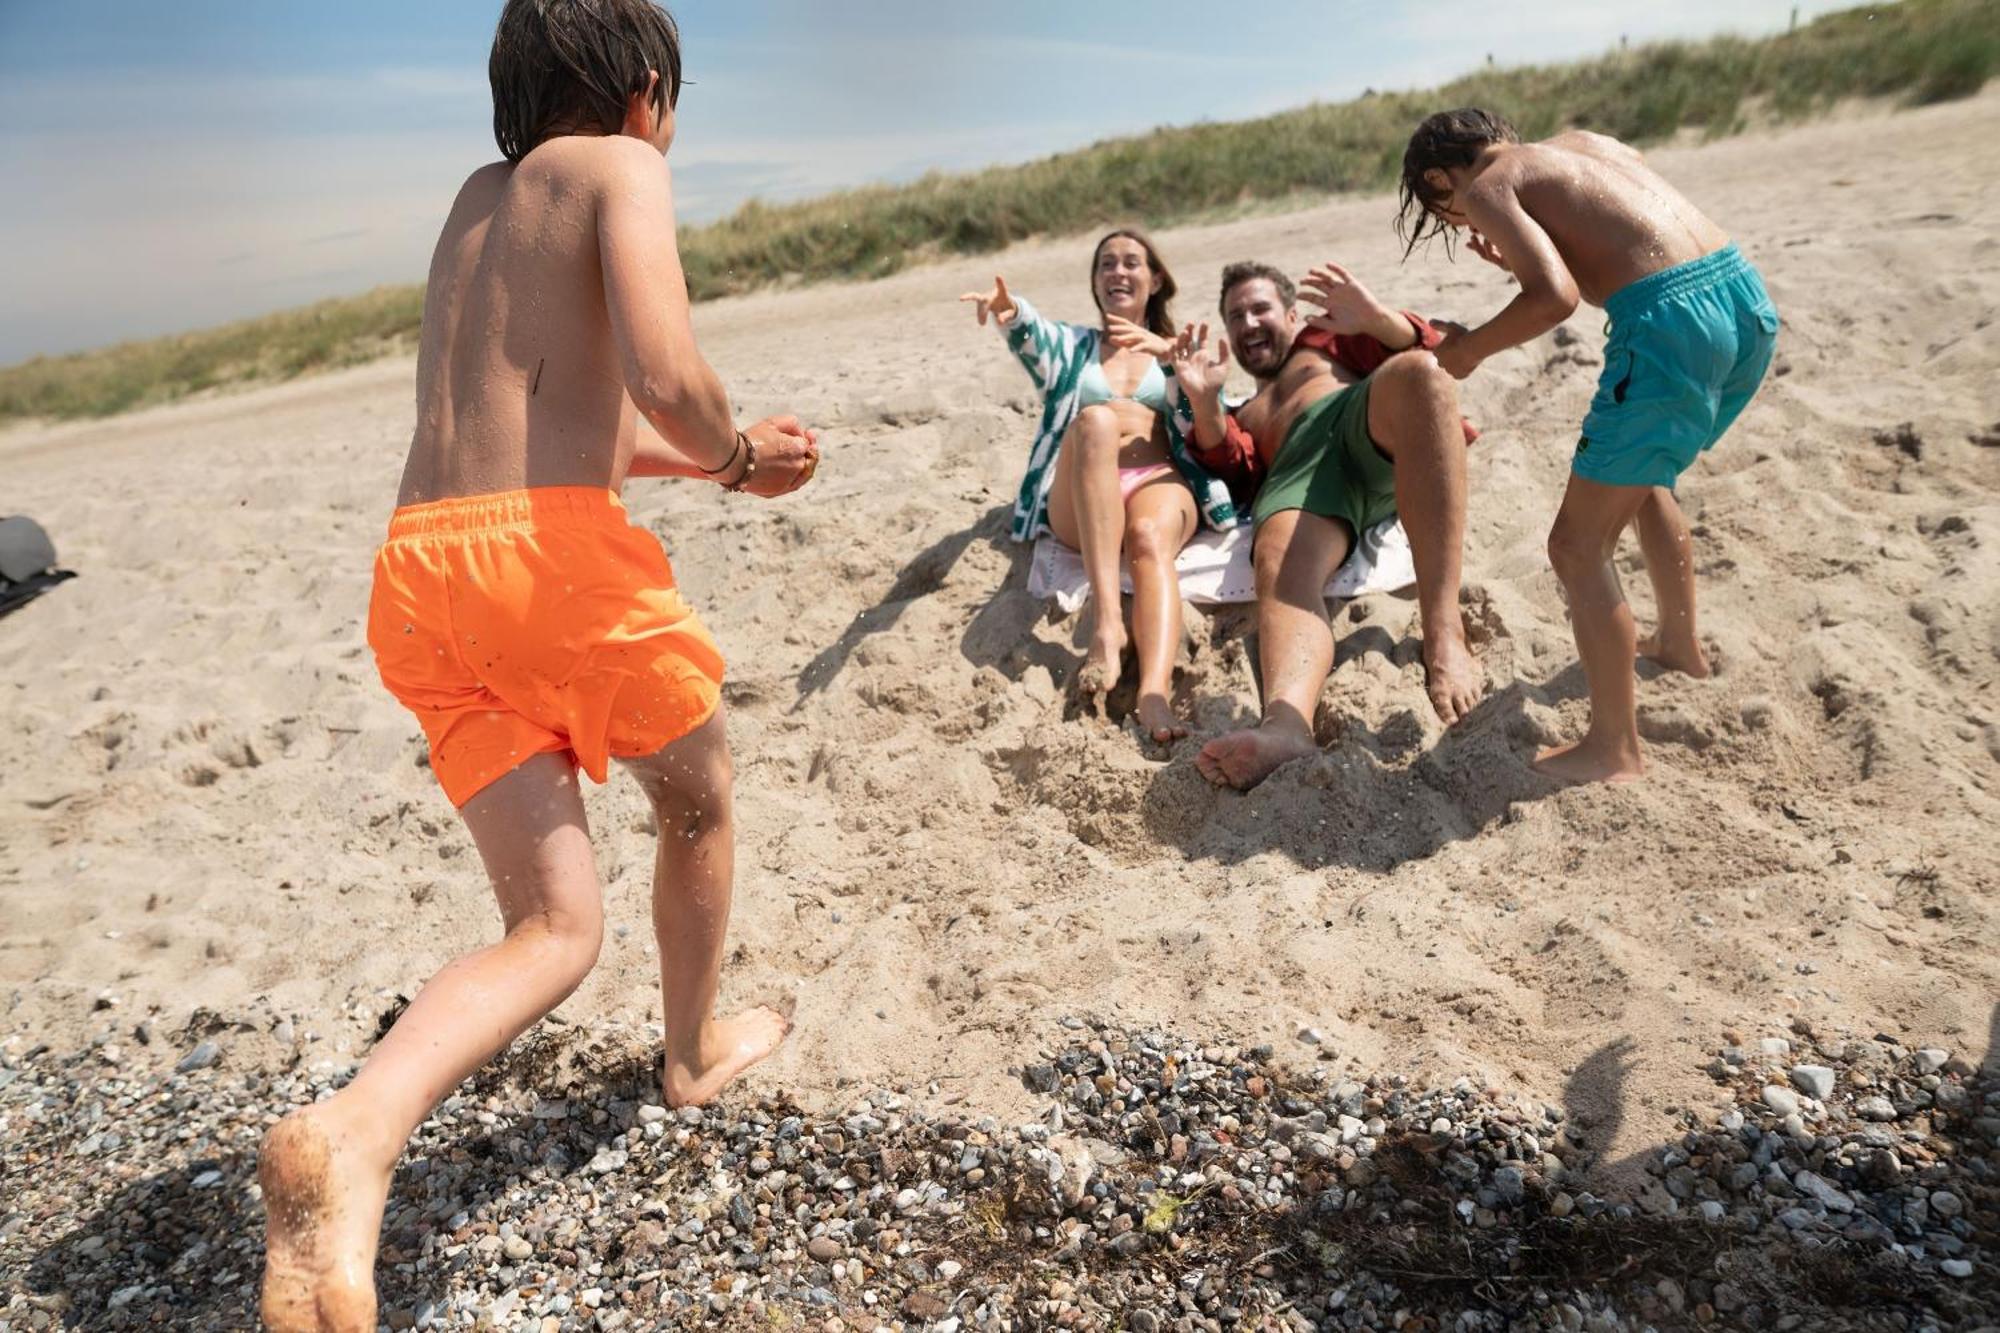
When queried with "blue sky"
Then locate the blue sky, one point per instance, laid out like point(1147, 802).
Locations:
point(172, 165)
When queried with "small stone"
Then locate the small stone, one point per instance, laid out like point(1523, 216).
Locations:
point(651, 1114)
point(1956, 1268)
point(1824, 1190)
point(201, 1057)
point(1813, 1080)
point(1039, 1078)
point(1780, 1100)
point(823, 1248)
point(1561, 1206)
point(1312, 1036)
point(1946, 1204)
point(923, 1305)
point(1930, 1059)
point(1875, 1108)
point(516, 1248)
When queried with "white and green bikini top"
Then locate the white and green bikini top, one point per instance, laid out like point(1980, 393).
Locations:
point(1092, 388)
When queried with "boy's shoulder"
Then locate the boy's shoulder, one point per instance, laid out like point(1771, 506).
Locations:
point(593, 158)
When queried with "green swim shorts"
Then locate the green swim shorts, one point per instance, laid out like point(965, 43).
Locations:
point(1689, 346)
point(1328, 466)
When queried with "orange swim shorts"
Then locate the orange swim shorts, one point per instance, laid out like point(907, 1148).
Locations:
point(533, 621)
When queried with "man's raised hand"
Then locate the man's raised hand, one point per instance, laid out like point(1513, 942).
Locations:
point(1129, 337)
point(996, 303)
point(1200, 369)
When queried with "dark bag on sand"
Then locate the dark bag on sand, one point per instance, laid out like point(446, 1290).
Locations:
point(27, 562)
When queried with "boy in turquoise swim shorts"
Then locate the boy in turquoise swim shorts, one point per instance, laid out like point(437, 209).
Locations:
point(1581, 217)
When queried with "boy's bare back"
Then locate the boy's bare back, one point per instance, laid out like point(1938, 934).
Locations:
point(1612, 218)
point(539, 277)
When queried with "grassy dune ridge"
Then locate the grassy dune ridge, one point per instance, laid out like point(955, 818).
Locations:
point(1916, 51)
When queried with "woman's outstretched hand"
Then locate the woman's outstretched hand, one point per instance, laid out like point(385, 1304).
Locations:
point(787, 456)
point(996, 303)
point(1129, 337)
point(1200, 369)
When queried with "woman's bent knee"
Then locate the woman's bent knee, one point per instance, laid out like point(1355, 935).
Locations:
point(1153, 540)
point(1096, 429)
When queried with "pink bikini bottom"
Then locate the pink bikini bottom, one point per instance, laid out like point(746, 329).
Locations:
point(1131, 479)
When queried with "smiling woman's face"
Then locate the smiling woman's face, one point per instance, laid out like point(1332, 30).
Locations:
point(1123, 279)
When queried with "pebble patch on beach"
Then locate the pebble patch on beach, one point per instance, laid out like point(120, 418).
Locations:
point(1167, 1184)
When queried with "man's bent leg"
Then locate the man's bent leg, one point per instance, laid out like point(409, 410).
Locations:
point(1413, 415)
point(1296, 554)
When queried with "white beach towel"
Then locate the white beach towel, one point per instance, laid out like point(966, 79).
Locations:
point(1215, 568)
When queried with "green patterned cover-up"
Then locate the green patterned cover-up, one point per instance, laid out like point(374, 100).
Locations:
point(1055, 355)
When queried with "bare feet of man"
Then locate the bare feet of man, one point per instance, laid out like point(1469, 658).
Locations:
point(323, 1198)
point(1685, 657)
point(1452, 677)
point(728, 1046)
point(1242, 759)
point(1592, 761)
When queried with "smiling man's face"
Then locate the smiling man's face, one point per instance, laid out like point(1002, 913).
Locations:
point(1261, 327)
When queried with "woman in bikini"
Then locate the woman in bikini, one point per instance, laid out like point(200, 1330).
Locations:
point(1100, 475)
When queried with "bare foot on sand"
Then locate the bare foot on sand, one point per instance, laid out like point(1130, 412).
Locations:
point(1452, 677)
point(1102, 665)
point(728, 1047)
point(323, 1199)
point(1156, 715)
point(1590, 761)
point(1686, 658)
point(1242, 759)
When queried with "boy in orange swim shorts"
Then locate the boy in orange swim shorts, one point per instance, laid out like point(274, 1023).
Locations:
point(532, 629)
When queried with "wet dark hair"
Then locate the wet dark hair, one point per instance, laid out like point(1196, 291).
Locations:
point(563, 65)
point(1158, 318)
point(1249, 270)
point(1446, 140)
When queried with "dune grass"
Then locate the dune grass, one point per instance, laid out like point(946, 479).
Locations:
point(342, 332)
point(1915, 51)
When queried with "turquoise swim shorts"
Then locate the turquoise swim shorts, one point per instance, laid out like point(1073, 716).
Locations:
point(1688, 347)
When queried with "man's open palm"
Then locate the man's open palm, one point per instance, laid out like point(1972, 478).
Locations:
point(1200, 367)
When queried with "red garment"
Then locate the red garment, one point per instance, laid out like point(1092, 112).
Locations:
point(1236, 460)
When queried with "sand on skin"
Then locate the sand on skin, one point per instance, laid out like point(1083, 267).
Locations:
point(207, 802)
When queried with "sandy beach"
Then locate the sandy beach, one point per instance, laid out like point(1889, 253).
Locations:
point(215, 823)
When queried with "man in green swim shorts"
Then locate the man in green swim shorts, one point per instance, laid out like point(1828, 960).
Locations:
point(1342, 433)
